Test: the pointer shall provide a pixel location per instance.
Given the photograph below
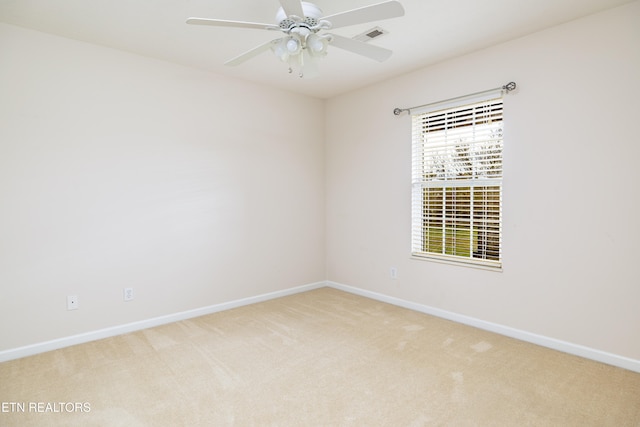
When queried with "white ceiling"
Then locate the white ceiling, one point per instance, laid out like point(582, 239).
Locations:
point(430, 31)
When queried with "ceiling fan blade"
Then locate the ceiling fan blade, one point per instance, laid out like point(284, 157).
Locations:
point(375, 12)
point(292, 7)
point(236, 24)
point(251, 53)
point(376, 53)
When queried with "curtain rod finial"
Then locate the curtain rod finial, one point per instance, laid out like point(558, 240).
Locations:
point(398, 111)
point(509, 86)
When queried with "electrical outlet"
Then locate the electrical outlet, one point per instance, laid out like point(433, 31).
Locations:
point(393, 272)
point(72, 302)
point(128, 294)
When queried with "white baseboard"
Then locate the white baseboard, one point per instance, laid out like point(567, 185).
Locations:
point(566, 347)
point(42, 347)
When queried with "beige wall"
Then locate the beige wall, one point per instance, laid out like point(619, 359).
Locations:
point(571, 175)
point(121, 171)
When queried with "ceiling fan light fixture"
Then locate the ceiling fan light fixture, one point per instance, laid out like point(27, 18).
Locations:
point(280, 50)
point(317, 45)
point(293, 46)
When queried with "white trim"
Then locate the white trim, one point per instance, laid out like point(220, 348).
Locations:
point(463, 262)
point(566, 347)
point(29, 350)
point(555, 344)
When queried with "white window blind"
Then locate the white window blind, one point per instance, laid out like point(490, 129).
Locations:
point(457, 182)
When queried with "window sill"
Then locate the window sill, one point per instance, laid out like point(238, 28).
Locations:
point(451, 260)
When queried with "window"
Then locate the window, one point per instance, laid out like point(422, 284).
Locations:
point(457, 183)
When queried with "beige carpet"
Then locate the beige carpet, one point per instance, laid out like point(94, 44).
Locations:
point(321, 358)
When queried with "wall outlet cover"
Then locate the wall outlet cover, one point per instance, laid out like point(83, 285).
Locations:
point(72, 302)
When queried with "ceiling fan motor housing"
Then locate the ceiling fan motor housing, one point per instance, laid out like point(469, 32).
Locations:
point(311, 18)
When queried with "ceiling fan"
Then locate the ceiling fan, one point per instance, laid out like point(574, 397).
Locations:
point(304, 40)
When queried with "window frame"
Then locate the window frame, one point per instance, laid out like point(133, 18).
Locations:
point(481, 179)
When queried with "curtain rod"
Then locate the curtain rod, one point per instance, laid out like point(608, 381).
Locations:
point(507, 88)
